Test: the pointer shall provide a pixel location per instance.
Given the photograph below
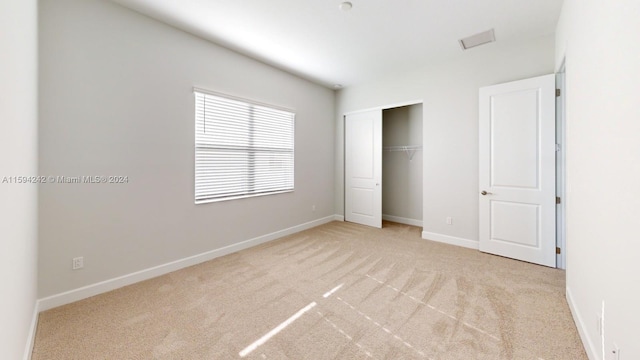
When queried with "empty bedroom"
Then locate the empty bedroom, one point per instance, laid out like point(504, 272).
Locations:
point(215, 179)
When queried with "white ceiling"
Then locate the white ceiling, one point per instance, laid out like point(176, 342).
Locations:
point(316, 40)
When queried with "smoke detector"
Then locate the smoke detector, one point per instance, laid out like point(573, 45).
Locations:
point(345, 6)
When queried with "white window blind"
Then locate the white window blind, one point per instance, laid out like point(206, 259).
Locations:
point(242, 149)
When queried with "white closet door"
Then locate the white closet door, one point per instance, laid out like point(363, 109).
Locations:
point(363, 168)
point(517, 170)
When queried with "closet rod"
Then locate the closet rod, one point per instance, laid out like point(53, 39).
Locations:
point(410, 150)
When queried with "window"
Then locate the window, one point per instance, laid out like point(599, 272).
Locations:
point(243, 148)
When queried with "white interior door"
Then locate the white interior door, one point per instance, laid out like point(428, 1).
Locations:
point(517, 170)
point(363, 168)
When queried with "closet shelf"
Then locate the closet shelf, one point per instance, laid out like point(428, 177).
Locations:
point(410, 150)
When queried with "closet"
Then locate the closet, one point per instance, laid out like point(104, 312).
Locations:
point(402, 164)
point(383, 165)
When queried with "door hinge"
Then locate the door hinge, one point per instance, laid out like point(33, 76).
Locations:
point(558, 250)
point(557, 147)
point(558, 201)
point(557, 92)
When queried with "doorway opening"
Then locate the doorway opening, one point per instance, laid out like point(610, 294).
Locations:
point(400, 179)
point(402, 165)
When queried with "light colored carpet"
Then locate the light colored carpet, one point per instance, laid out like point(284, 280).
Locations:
point(401, 298)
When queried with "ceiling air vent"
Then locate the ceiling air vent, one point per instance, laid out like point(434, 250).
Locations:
point(477, 39)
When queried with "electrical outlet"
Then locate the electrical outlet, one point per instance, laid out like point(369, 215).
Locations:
point(449, 220)
point(78, 263)
point(313, 208)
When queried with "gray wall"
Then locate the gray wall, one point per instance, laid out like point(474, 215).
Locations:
point(401, 177)
point(600, 42)
point(18, 157)
point(449, 91)
point(116, 99)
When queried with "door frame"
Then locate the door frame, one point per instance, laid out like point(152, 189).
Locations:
point(344, 142)
point(561, 167)
point(385, 107)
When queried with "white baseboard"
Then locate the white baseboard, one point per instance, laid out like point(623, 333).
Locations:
point(402, 220)
point(31, 337)
point(338, 217)
point(115, 283)
point(451, 240)
point(588, 345)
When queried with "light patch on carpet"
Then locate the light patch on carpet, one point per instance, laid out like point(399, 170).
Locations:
point(332, 291)
point(246, 351)
point(347, 336)
point(170, 343)
point(395, 336)
point(435, 309)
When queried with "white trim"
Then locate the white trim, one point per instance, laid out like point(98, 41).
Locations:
point(402, 220)
point(31, 337)
point(245, 196)
point(84, 292)
point(337, 217)
point(451, 240)
point(561, 186)
point(385, 107)
point(588, 345)
point(239, 98)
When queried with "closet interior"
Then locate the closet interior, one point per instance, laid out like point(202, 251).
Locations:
point(402, 159)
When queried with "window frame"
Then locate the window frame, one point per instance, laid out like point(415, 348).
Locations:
point(256, 150)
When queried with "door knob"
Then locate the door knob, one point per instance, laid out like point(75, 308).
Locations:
point(485, 193)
